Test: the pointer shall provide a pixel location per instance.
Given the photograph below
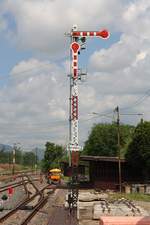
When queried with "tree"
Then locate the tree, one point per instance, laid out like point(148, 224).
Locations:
point(18, 156)
point(52, 156)
point(138, 153)
point(4, 156)
point(29, 159)
point(103, 140)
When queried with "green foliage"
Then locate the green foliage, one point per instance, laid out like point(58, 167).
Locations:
point(4, 197)
point(1, 208)
point(52, 156)
point(5, 156)
point(138, 154)
point(131, 196)
point(29, 159)
point(18, 156)
point(103, 140)
point(24, 158)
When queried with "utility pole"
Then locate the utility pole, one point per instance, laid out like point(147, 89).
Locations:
point(118, 142)
point(36, 160)
point(119, 153)
point(14, 159)
point(9, 159)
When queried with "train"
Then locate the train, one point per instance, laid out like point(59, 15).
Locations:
point(54, 176)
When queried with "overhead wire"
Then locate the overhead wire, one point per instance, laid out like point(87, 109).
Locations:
point(138, 101)
point(57, 123)
point(60, 122)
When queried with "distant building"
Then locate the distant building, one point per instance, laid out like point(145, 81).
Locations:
point(103, 172)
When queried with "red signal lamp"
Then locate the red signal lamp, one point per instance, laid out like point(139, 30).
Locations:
point(104, 34)
point(75, 47)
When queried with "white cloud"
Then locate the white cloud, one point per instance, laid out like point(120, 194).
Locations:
point(37, 96)
point(139, 57)
point(118, 56)
point(123, 68)
point(135, 10)
point(120, 74)
point(32, 103)
point(40, 25)
point(135, 19)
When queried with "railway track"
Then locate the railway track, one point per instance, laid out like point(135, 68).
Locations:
point(15, 184)
point(40, 204)
point(18, 172)
point(9, 176)
point(23, 212)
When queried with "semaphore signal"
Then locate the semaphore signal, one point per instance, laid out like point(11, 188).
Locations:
point(101, 34)
point(78, 39)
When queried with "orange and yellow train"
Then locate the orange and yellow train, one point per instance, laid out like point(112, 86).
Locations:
point(54, 176)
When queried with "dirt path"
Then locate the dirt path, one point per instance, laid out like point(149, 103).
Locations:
point(60, 215)
point(63, 217)
point(54, 213)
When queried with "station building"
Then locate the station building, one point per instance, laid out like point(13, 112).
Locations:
point(103, 172)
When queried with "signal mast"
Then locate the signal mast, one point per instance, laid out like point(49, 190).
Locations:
point(77, 40)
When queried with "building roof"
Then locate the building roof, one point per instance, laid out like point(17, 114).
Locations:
point(100, 158)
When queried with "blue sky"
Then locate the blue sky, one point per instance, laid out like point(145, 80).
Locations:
point(10, 55)
point(96, 44)
point(35, 55)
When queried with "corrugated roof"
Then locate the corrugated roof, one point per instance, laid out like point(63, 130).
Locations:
point(100, 158)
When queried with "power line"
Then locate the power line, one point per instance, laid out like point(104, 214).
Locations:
point(137, 102)
point(103, 114)
point(58, 123)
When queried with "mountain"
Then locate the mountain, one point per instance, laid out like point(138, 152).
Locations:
point(5, 147)
point(8, 148)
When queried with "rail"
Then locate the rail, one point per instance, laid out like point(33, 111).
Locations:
point(27, 200)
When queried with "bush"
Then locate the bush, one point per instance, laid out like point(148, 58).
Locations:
point(4, 197)
point(1, 208)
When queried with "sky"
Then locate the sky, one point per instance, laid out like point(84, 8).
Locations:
point(34, 64)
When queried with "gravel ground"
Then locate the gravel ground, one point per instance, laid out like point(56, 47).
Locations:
point(144, 205)
point(43, 215)
point(15, 198)
point(61, 216)
point(53, 212)
point(17, 218)
point(10, 182)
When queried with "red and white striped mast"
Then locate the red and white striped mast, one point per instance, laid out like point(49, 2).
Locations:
point(77, 39)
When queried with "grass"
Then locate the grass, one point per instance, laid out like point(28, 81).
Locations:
point(6, 168)
point(132, 196)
